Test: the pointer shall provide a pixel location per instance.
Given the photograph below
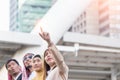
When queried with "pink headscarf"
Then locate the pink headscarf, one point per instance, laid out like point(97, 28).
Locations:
point(24, 74)
point(9, 77)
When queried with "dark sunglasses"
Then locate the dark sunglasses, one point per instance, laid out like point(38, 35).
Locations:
point(28, 57)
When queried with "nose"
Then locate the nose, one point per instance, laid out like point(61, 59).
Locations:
point(35, 63)
point(11, 67)
point(27, 59)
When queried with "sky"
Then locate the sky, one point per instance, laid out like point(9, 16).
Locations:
point(4, 15)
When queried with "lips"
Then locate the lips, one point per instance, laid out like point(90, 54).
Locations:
point(49, 59)
point(36, 66)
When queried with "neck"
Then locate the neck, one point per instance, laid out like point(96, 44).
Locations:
point(40, 73)
point(52, 67)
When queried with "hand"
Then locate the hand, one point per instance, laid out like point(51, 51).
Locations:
point(45, 36)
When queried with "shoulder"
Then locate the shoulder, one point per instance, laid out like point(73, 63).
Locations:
point(32, 75)
point(20, 77)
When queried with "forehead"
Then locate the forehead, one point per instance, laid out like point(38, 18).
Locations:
point(12, 62)
point(46, 52)
point(36, 58)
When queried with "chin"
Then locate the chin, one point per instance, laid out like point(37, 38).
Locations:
point(37, 70)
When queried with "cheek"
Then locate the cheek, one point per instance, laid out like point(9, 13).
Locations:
point(34, 66)
point(51, 56)
point(25, 63)
point(18, 69)
point(30, 60)
point(46, 58)
point(40, 65)
point(9, 69)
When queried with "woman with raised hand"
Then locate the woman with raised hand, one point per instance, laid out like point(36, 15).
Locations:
point(54, 60)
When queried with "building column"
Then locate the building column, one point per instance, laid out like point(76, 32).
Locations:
point(113, 74)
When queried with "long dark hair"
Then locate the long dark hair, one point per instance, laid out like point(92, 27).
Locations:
point(47, 67)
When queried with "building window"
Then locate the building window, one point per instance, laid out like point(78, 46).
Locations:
point(81, 17)
point(84, 31)
point(77, 20)
point(84, 14)
point(103, 29)
point(103, 10)
point(103, 19)
point(17, 27)
point(78, 28)
point(84, 23)
point(101, 2)
point(81, 25)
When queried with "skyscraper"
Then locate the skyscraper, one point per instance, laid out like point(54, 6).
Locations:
point(13, 15)
point(109, 18)
point(28, 14)
point(101, 17)
point(87, 22)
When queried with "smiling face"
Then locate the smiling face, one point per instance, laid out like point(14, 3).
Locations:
point(49, 58)
point(13, 68)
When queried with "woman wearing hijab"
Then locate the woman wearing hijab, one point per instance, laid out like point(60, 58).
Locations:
point(27, 72)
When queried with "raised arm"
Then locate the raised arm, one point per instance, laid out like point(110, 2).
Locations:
point(56, 54)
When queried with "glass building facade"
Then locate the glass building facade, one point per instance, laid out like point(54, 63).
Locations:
point(30, 12)
point(13, 15)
